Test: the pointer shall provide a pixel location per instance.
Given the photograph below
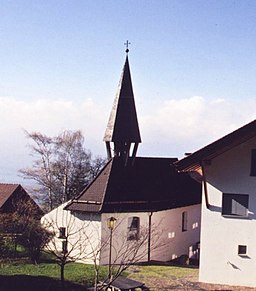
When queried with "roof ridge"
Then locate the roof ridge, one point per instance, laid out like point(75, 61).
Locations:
point(9, 183)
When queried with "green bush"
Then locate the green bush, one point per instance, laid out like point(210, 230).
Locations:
point(34, 238)
point(7, 246)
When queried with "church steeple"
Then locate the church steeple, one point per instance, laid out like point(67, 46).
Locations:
point(123, 128)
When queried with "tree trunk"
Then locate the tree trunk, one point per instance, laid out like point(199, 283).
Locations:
point(62, 266)
point(96, 279)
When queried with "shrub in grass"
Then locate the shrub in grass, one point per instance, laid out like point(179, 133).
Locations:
point(34, 238)
point(7, 246)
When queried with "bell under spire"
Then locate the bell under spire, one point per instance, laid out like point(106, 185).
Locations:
point(123, 128)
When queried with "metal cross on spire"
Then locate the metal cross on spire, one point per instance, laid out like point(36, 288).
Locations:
point(127, 46)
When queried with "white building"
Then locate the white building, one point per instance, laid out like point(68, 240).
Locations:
point(76, 235)
point(171, 233)
point(166, 235)
point(149, 199)
point(228, 227)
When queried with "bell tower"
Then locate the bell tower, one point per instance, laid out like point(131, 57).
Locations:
point(122, 135)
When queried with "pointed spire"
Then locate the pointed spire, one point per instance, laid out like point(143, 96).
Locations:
point(127, 46)
point(123, 128)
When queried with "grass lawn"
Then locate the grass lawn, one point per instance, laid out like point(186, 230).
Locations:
point(21, 275)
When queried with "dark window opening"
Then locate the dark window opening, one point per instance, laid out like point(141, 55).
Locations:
point(133, 228)
point(242, 250)
point(235, 205)
point(62, 232)
point(64, 246)
point(184, 221)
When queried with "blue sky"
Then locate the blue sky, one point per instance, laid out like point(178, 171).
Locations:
point(193, 66)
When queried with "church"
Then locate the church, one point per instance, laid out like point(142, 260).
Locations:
point(139, 209)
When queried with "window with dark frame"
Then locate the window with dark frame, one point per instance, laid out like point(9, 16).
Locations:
point(235, 205)
point(64, 246)
point(62, 232)
point(242, 250)
point(133, 228)
point(184, 221)
point(253, 162)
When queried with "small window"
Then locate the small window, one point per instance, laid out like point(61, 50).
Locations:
point(133, 228)
point(253, 162)
point(62, 232)
point(235, 205)
point(184, 221)
point(242, 250)
point(64, 246)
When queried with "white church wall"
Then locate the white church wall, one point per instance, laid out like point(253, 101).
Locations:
point(82, 231)
point(168, 239)
point(121, 247)
point(180, 233)
point(222, 235)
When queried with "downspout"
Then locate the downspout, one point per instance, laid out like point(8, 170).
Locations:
point(205, 187)
point(149, 233)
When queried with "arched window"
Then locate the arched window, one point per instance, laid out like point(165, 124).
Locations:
point(133, 228)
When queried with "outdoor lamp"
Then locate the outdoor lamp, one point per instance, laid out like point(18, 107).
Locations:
point(111, 223)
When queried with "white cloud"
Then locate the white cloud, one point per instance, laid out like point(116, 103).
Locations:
point(185, 125)
point(170, 129)
point(49, 117)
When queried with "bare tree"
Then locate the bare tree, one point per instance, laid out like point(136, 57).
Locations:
point(72, 238)
point(83, 237)
point(62, 167)
point(42, 170)
point(73, 163)
point(125, 252)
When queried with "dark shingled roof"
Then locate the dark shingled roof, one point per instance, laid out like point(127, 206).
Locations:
point(148, 184)
point(193, 161)
point(12, 194)
point(6, 191)
point(123, 123)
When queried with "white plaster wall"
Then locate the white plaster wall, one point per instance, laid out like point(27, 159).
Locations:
point(220, 236)
point(83, 233)
point(120, 245)
point(167, 241)
point(176, 242)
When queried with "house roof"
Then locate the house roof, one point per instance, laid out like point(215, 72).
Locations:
point(6, 191)
point(12, 194)
point(144, 184)
point(123, 123)
point(239, 136)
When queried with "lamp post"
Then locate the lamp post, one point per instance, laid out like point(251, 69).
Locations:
point(111, 225)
